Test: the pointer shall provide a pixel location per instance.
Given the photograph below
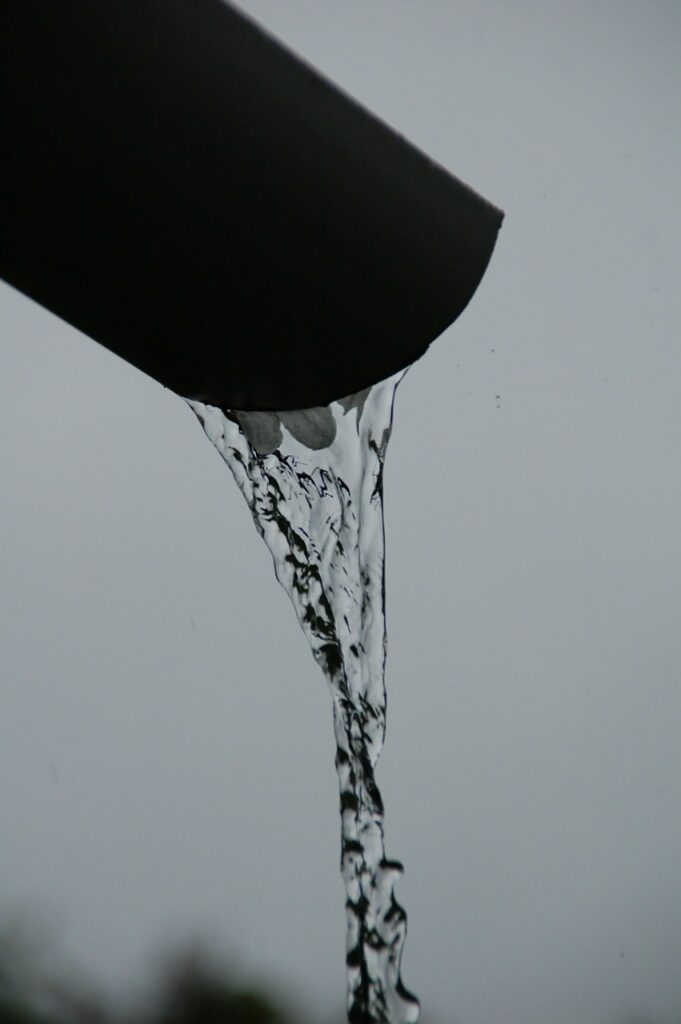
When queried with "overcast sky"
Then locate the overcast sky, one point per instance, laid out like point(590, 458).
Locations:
point(166, 749)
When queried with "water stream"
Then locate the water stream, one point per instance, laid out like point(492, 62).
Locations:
point(313, 480)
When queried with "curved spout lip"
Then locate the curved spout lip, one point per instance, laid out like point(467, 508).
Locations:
point(188, 193)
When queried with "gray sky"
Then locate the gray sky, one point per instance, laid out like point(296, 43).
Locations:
point(166, 751)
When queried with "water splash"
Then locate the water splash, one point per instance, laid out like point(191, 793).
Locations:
point(313, 481)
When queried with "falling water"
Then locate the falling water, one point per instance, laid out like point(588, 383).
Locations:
point(313, 480)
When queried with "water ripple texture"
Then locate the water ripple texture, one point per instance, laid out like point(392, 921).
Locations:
point(313, 480)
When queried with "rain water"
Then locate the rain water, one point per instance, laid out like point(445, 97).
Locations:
point(313, 480)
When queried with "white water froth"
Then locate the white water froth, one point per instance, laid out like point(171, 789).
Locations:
point(313, 481)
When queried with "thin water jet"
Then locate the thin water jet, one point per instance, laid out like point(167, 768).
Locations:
point(313, 480)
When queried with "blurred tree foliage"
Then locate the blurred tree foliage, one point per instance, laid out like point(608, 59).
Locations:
point(193, 990)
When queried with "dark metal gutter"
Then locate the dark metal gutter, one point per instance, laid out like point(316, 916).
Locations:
point(180, 187)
